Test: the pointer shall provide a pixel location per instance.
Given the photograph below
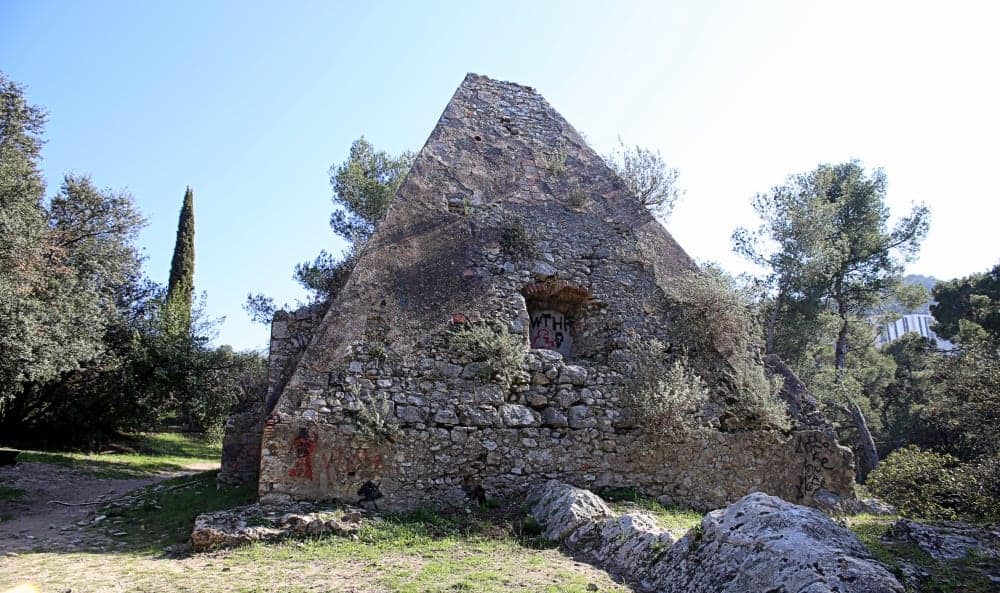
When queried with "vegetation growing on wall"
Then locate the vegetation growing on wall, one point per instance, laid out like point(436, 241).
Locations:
point(717, 323)
point(665, 397)
point(500, 351)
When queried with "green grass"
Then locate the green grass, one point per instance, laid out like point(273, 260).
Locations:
point(429, 552)
point(488, 549)
point(138, 456)
point(10, 493)
point(675, 519)
point(163, 514)
point(965, 576)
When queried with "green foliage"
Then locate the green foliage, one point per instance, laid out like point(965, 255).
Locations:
point(180, 287)
point(325, 276)
point(10, 493)
point(59, 308)
point(646, 176)
point(554, 161)
point(964, 400)
point(493, 344)
point(904, 400)
point(715, 320)
point(825, 242)
point(376, 420)
point(516, 240)
point(831, 257)
point(364, 187)
point(577, 197)
point(929, 485)
point(968, 309)
point(260, 307)
point(664, 397)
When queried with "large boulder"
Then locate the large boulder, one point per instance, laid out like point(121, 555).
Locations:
point(760, 543)
point(562, 509)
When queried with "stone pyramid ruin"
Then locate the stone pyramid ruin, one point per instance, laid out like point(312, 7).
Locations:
point(405, 391)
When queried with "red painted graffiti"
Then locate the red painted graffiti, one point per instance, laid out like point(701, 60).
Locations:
point(304, 445)
point(345, 462)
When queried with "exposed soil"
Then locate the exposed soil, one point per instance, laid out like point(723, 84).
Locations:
point(34, 522)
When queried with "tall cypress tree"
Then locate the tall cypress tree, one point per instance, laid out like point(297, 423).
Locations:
point(180, 287)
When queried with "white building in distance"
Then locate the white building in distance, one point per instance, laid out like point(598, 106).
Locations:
point(918, 323)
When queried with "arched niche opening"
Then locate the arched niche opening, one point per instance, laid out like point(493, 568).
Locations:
point(555, 309)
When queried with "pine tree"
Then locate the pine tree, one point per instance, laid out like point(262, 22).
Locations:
point(180, 287)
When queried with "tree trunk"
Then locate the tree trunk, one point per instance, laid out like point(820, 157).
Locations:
point(840, 350)
point(868, 454)
point(772, 321)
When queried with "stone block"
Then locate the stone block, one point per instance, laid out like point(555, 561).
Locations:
point(517, 416)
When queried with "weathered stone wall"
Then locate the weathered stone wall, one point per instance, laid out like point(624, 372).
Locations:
point(290, 334)
point(507, 212)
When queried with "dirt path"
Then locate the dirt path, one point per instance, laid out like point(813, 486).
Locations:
point(40, 525)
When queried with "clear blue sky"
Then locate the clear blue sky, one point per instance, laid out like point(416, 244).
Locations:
point(251, 102)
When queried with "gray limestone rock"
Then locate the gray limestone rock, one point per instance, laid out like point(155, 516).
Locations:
point(581, 417)
point(555, 418)
point(255, 522)
point(562, 509)
point(446, 416)
point(516, 416)
point(948, 541)
point(571, 373)
point(411, 414)
point(762, 543)
point(759, 543)
point(543, 270)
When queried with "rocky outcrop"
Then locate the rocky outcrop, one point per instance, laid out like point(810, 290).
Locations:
point(251, 523)
point(834, 504)
point(759, 543)
point(948, 541)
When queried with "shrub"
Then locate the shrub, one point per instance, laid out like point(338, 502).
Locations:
point(715, 321)
point(555, 160)
point(577, 197)
point(515, 239)
point(376, 420)
point(665, 397)
point(494, 345)
point(930, 485)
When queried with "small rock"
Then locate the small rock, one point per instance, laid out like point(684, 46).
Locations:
point(447, 416)
point(517, 416)
point(553, 417)
point(574, 374)
point(581, 417)
point(542, 270)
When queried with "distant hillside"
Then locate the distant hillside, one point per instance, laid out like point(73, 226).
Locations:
point(927, 282)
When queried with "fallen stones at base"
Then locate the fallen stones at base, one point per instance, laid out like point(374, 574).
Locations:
point(256, 522)
point(759, 543)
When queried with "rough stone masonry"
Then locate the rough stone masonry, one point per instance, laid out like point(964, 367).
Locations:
point(507, 219)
